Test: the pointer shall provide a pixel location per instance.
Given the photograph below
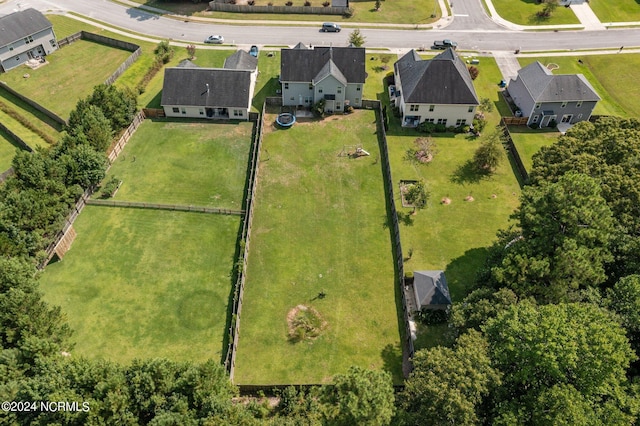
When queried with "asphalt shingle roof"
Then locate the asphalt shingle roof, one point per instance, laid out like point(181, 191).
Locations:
point(441, 80)
point(546, 87)
point(431, 288)
point(241, 60)
point(227, 88)
point(330, 68)
point(19, 25)
point(304, 65)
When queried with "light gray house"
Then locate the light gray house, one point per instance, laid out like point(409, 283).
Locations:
point(431, 290)
point(335, 74)
point(544, 97)
point(216, 93)
point(25, 35)
point(439, 90)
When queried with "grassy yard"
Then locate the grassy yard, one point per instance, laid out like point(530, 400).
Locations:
point(29, 137)
point(191, 163)
point(320, 225)
point(71, 74)
point(610, 75)
point(397, 12)
point(615, 11)
point(156, 285)
point(523, 12)
point(529, 141)
point(7, 151)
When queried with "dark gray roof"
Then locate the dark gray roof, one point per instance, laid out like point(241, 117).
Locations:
point(241, 60)
point(330, 68)
point(304, 65)
point(18, 25)
point(441, 80)
point(431, 288)
point(185, 63)
point(188, 86)
point(546, 87)
point(300, 45)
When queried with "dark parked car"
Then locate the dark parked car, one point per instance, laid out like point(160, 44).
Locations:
point(442, 45)
point(330, 27)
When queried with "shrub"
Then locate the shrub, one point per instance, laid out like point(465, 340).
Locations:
point(289, 3)
point(164, 52)
point(433, 316)
point(534, 125)
point(348, 13)
point(473, 72)
point(553, 123)
point(307, 3)
point(440, 128)
point(318, 108)
point(270, 3)
point(479, 123)
point(251, 2)
point(109, 188)
point(348, 109)
point(326, 4)
point(426, 127)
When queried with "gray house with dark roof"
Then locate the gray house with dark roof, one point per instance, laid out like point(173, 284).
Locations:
point(544, 97)
point(438, 90)
point(431, 290)
point(216, 93)
point(25, 35)
point(335, 74)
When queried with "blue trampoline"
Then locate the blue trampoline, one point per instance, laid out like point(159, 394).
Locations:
point(286, 119)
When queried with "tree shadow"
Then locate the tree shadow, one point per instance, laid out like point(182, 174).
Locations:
point(391, 358)
point(468, 173)
point(462, 272)
point(405, 218)
point(141, 15)
point(270, 88)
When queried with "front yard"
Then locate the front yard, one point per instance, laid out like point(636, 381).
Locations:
point(523, 12)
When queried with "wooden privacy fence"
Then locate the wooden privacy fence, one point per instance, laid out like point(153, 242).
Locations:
point(115, 149)
point(515, 121)
point(395, 227)
point(156, 206)
point(245, 241)
point(299, 10)
point(511, 147)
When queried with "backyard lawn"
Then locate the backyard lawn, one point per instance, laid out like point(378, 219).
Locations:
point(71, 74)
point(146, 283)
point(610, 76)
point(319, 229)
point(7, 151)
point(523, 12)
point(198, 163)
point(615, 11)
point(529, 141)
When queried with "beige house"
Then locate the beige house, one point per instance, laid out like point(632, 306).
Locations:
point(333, 74)
point(439, 90)
point(25, 35)
point(190, 91)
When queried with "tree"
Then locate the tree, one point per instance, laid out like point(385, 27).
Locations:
point(490, 153)
point(624, 300)
point(474, 72)
point(548, 9)
point(164, 51)
point(417, 195)
point(88, 124)
point(359, 397)
point(566, 228)
point(191, 50)
point(356, 38)
point(118, 105)
point(378, 5)
point(423, 152)
point(568, 351)
point(481, 305)
point(448, 386)
point(85, 166)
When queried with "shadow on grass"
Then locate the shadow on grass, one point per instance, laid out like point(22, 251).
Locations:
point(461, 272)
point(269, 89)
point(156, 101)
point(391, 358)
point(468, 173)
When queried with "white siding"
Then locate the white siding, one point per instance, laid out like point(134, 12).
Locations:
point(17, 52)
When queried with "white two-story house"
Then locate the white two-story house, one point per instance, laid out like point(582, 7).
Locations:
point(438, 90)
point(335, 74)
point(25, 35)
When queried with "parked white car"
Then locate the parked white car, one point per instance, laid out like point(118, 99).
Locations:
point(215, 39)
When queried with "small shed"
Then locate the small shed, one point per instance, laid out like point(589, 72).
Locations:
point(431, 290)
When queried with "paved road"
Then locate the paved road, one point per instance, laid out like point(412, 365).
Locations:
point(491, 37)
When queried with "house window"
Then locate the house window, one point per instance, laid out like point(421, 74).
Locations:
point(429, 120)
point(176, 110)
point(184, 111)
point(414, 107)
point(578, 104)
point(310, 86)
point(28, 40)
point(338, 106)
point(319, 89)
point(286, 86)
point(538, 106)
point(292, 98)
point(535, 119)
point(358, 101)
point(461, 122)
point(567, 118)
point(237, 113)
point(358, 88)
point(52, 42)
point(339, 89)
point(564, 104)
point(470, 108)
point(442, 121)
point(10, 48)
point(431, 108)
point(201, 112)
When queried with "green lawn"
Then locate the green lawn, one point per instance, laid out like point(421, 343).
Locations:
point(7, 151)
point(529, 141)
point(610, 76)
point(144, 283)
point(397, 11)
point(320, 225)
point(615, 11)
point(267, 83)
point(71, 74)
point(523, 12)
point(200, 163)
point(29, 137)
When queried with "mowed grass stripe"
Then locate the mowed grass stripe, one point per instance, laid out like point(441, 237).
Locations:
point(140, 283)
point(319, 226)
point(198, 163)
